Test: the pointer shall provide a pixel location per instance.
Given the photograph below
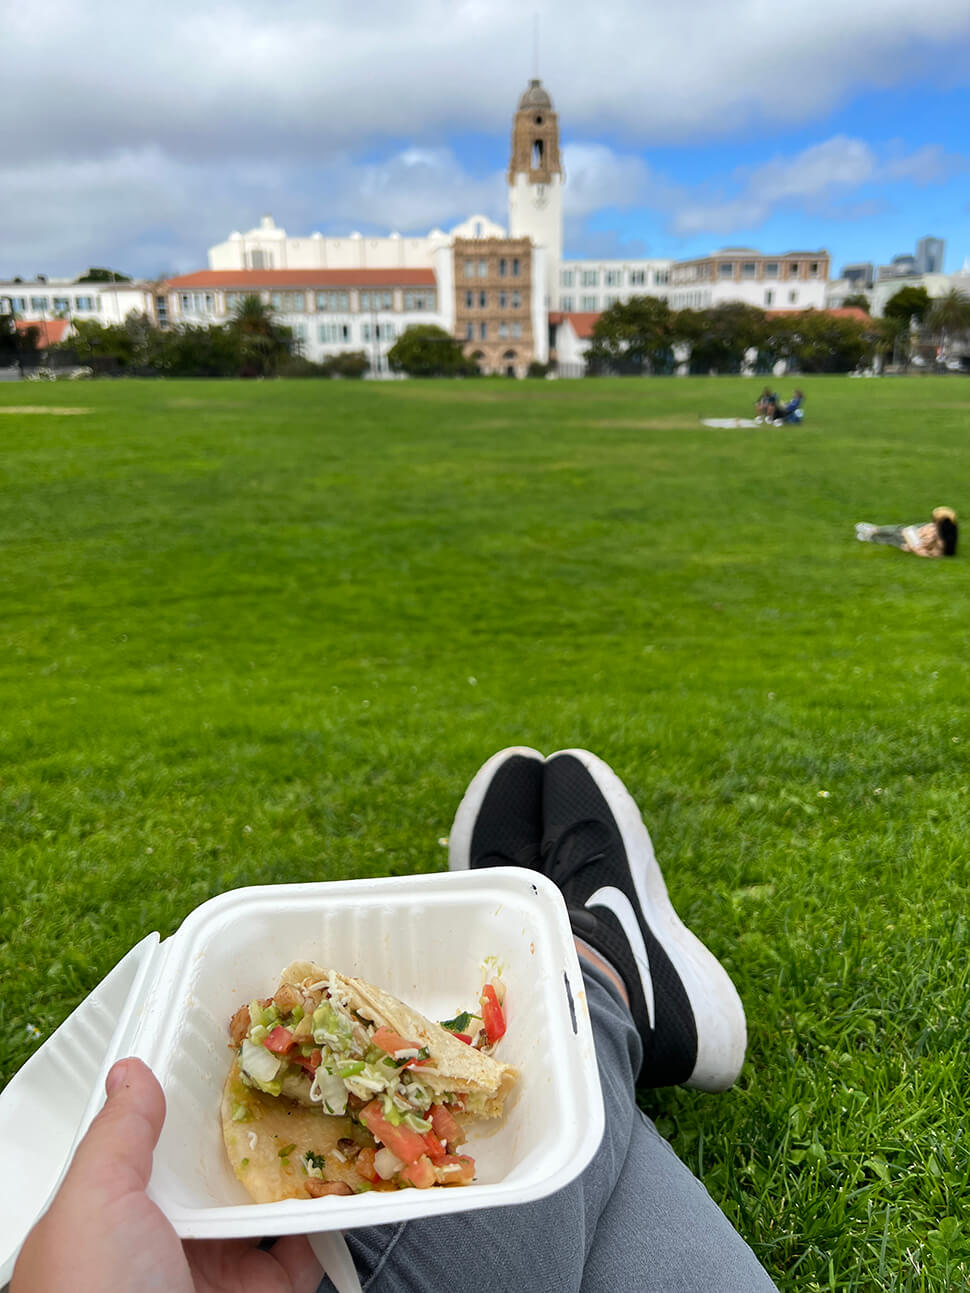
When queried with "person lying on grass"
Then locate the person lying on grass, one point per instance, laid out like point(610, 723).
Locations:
point(936, 538)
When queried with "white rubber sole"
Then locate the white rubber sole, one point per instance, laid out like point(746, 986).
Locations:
point(460, 838)
point(718, 1012)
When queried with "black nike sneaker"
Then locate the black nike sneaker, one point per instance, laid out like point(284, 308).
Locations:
point(499, 820)
point(596, 849)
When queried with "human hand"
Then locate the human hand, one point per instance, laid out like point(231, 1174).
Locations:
point(102, 1234)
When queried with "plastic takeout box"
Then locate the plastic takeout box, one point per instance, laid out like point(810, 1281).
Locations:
point(424, 938)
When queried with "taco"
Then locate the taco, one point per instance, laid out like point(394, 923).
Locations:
point(338, 1087)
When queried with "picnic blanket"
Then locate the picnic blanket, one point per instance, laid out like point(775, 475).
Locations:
point(731, 422)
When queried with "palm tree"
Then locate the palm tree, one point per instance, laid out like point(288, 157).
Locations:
point(949, 316)
point(263, 343)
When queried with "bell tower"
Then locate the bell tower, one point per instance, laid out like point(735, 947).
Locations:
point(535, 180)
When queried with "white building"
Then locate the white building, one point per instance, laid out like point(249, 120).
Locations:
point(329, 310)
point(269, 247)
point(591, 286)
point(43, 299)
point(792, 280)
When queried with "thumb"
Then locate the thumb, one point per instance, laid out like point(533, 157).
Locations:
point(117, 1150)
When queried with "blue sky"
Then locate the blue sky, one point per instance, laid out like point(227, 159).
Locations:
point(163, 128)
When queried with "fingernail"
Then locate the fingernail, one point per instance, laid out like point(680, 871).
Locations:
point(116, 1077)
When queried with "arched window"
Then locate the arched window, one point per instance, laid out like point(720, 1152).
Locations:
point(537, 155)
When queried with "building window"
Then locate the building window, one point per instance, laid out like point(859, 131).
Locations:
point(469, 269)
point(661, 276)
point(588, 304)
point(62, 304)
point(771, 269)
point(387, 331)
point(612, 300)
point(483, 269)
point(18, 304)
point(503, 330)
point(482, 300)
point(365, 331)
point(502, 300)
point(516, 300)
point(515, 267)
point(333, 302)
point(566, 278)
point(331, 333)
point(813, 269)
point(516, 329)
point(566, 303)
point(792, 297)
point(469, 332)
point(748, 269)
point(38, 303)
point(638, 277)
point(291, 302)
point(793, 269)
point(420, 300)
point(726, 269)
point(82, 303)
point(613, 278)
point(589, 278)
point(483, 331)
point(299, 331)
point(469, 300)
point(769, 296)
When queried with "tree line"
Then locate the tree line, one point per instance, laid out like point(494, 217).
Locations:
point(640, 336)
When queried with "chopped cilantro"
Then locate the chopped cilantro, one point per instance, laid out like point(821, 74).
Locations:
point(314, 1160)
point(287, 1149)
point(457, 1025)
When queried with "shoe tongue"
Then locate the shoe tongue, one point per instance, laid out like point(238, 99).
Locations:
point(568, 858)
point(526, 856)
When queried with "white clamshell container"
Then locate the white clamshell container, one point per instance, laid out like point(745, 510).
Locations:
point(424, 938)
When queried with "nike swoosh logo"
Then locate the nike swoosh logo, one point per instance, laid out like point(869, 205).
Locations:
point(616, 901)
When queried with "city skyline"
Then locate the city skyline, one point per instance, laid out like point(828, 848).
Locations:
point(708, 130)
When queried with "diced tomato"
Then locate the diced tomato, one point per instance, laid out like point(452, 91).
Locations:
point(492, 1016)
point(454, 1169)
point(463, 1037)
point(279, 1040)
point(392, 1042)
point(364, 1164)
point(433, 1145)
point(420, 1174)
point(309, 1062)
point(445, 1126)
point(407, 1144)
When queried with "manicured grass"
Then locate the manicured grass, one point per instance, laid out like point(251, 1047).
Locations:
point(260, 632)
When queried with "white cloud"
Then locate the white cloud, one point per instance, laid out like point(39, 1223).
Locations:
point(240, 77)
point(818, 180)
point(146, 131)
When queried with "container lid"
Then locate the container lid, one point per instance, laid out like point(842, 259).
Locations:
point(48, 1104)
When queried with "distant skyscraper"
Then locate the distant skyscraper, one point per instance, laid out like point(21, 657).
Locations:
point(929, 256)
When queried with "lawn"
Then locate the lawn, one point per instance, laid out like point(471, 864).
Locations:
point(266, 632)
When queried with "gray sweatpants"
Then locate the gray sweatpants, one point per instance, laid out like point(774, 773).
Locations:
point(635, 1221)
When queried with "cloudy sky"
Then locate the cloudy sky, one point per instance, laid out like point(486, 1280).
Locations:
point(136, 135)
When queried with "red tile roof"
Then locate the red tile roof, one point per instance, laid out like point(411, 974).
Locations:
point(241, 279)
point(51, 330)
point(582, 323)
point(843, 312)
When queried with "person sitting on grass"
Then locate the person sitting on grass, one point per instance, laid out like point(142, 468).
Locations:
point(768, 399)
point(790, 412)
point(936, 538)
point(663, 1010)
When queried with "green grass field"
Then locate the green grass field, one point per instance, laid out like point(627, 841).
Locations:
point(266, 632)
